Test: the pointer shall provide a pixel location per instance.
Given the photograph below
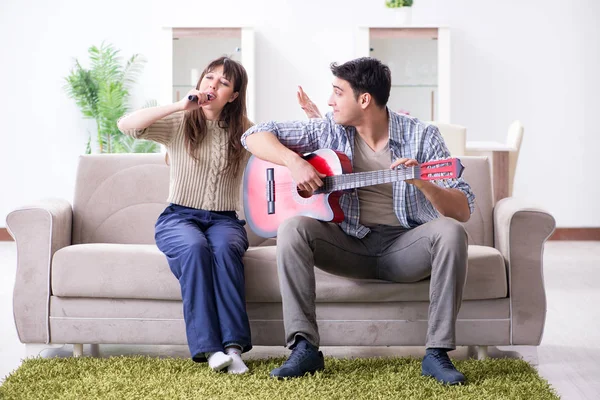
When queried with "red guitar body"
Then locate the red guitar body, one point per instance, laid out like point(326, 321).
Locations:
point(288, 202)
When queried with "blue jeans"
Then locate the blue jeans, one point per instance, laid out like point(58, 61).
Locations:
point(204, 250)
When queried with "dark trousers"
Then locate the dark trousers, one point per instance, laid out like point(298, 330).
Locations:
point(204, 250)
point(435, 250)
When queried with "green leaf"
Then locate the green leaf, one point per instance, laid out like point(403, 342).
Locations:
point(398, 3)
point(102, 94)
point(131, 145)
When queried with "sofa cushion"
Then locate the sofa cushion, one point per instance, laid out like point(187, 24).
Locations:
point(129, 271)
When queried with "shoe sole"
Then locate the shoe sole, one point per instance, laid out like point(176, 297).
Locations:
point(297, 376)
point(443, 382)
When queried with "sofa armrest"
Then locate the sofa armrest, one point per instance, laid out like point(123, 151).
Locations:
point(39, 231)
point(520, 231)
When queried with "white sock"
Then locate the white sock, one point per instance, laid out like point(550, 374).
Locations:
point(237, 366)
point(218, 360)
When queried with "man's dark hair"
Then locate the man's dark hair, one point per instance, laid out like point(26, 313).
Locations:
point(366, 75)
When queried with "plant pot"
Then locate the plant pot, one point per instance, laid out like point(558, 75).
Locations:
point(402, 16)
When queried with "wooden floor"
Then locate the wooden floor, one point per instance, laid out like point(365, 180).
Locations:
point(569, 356)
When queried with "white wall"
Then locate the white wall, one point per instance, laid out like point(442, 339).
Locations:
point(195, 53)
point(533, 60)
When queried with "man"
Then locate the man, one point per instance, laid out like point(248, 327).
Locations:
point(401, 232)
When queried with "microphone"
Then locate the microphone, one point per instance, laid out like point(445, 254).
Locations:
point(193, 97)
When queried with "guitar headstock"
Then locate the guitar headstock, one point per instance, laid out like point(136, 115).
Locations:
point(448, 168)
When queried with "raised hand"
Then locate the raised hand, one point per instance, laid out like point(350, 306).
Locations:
point(310, 108)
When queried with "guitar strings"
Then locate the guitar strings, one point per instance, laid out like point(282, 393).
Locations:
point(286, 189)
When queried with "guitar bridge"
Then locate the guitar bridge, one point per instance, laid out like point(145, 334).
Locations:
point(270, 191)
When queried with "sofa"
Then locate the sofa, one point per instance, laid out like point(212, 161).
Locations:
point(90, 273)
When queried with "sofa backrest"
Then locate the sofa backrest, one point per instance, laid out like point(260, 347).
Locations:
point(118, 198)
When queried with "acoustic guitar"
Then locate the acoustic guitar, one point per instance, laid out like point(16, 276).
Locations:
point(271, 195)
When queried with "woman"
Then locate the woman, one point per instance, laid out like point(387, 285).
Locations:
point(199, 232)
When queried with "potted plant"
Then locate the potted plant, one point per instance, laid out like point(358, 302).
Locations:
point(101, 93)
point(402, 8)
point(398, 3)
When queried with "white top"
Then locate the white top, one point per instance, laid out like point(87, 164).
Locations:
point(489, 146)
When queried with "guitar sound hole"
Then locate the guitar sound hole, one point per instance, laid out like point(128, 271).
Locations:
point(304, 194)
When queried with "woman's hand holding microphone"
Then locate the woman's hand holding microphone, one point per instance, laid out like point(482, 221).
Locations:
point(194, 100)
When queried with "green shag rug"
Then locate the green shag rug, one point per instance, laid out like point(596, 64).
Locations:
point(140, 377)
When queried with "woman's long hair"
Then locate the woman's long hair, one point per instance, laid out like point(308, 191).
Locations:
point(233, 117)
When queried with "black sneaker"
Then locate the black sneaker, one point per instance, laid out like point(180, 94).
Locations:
point(437, 364)
point(305, 359)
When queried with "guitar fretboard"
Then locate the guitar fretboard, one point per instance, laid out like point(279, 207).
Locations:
point(370, 178)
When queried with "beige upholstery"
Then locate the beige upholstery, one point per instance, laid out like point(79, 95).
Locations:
point(142, 272)
point(91, 273)
point(514, 138)
point(455, 137)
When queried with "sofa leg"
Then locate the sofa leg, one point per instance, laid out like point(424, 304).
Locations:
point(95, 349)
point(528, 353)
point(482, 352)
point(77, 350)
point(33, 350)
point(472, 351)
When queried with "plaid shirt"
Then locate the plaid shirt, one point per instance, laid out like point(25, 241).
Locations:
point(409, 138)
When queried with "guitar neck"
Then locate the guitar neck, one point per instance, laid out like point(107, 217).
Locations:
point(370, 178)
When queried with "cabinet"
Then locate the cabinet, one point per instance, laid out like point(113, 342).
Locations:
point(419, 61)
point(193, 48)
